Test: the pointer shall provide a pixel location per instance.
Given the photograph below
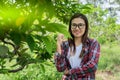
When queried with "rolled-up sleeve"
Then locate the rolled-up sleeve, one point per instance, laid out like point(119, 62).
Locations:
point(60, 61)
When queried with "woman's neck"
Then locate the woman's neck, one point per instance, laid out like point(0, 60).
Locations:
point(78, 41)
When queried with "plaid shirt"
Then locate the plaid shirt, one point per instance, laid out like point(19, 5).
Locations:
point(88, 65)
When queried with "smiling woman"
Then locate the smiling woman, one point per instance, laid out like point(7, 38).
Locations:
point(78, 27)
point(78, 57)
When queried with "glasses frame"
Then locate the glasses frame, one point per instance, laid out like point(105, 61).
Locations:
point(80, 25)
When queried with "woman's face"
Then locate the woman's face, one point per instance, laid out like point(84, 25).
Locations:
point(78, 27)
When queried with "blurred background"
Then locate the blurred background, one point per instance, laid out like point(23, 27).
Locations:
point(28, 30)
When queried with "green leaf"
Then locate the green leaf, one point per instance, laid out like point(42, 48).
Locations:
point(42, 68)
point(30, 41)
point(16, 37)
point(38, 37)
point(47, 43)
point(23, 50)
point(3, 70)
point(57, 27)
point(3, 49)
point(50, 9)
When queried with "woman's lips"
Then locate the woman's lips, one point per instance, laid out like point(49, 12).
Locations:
point(77, 32)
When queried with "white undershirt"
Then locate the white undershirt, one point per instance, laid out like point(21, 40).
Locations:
point(75, 60)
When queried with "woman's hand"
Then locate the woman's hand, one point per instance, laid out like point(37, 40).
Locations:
point(60, 39)
point(66, 72)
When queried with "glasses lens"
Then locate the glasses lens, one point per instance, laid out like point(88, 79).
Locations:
point(80, 25)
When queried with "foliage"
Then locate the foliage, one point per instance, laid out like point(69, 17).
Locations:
point(34, 72)
point(103, 28)
point(26, 33)
point(67, 8)
point(28, 30)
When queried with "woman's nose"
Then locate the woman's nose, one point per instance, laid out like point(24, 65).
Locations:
point(77, 27)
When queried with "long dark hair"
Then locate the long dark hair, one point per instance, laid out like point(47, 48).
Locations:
point(85, 35)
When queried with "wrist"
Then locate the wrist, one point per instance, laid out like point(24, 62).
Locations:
point(58, 48)
point(57, 54)
point(58, 44)
point(69, 71)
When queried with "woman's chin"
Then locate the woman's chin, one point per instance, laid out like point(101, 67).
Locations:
point(78, 36)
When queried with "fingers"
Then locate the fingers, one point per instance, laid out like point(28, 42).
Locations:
point(66, 72)
point(60, 38)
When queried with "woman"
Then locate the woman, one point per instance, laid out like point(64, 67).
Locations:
point(78, 57)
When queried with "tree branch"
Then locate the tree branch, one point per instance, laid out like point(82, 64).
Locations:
point(8, 43)
point(15, 47)
point(16, 70)
point(21, 67)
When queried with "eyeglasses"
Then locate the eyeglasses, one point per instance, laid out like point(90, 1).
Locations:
point(80, 25)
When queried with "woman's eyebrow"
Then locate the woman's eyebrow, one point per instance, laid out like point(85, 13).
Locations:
point(77, 23)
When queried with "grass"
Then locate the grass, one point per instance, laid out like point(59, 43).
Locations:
point(109, 58)
point(109, 63)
